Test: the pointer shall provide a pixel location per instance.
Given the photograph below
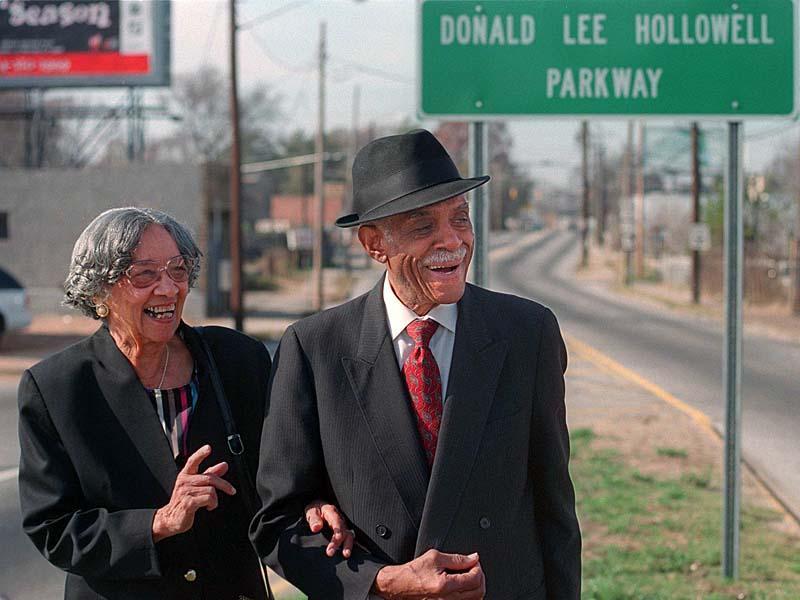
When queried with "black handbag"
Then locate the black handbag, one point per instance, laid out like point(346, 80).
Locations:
point(235, 443)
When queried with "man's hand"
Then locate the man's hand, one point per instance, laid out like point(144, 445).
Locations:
point(434, 575)
point(319, 514)
point(192, 492)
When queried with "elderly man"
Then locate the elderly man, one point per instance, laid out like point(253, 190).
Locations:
point(432, 411)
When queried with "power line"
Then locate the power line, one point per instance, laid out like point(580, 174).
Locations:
point(272, 14)
point(374, 71)
point(770, 132)
point(212, 31)
point(307, 68)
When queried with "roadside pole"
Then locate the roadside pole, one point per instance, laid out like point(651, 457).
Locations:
point(732, 366)
point(626, 212)
point(585, 212)
point(352, 148)
point(696, 186)
point(639, 207)
point(319, 180)
point(795, 258)
point(479, 206)
point(236, 303)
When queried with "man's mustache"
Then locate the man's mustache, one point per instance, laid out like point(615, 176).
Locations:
point(440, 257)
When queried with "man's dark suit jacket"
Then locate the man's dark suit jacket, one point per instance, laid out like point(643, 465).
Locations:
point(95, 464)
point(340, 426)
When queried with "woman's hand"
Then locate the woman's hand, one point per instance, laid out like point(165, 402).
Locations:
point(319, 514)
point(192, 492)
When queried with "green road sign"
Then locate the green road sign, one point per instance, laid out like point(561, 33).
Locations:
point(704, 58)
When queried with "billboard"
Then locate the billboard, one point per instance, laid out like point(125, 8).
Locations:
point(58, 43)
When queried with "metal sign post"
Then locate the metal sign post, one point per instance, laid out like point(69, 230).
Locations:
point(479, 206)
point(732, 364)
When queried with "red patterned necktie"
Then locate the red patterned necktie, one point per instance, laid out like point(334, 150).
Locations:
point(424, 384)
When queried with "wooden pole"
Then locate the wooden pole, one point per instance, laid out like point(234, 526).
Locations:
point(639, 208)
point(585, 212)
point(235, 217)
point(696, 217)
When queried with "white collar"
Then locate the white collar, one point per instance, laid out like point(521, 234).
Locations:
point(399, 315)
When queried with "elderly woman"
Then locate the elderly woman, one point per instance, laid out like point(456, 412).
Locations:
point(131, 478)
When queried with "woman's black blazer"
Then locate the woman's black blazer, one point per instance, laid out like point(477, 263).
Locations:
point(95, 465)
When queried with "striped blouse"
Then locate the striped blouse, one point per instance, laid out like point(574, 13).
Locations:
point(175, 408)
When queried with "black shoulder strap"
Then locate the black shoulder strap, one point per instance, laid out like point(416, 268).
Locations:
point(235, 443)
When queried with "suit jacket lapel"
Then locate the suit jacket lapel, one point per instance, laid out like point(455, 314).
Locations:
point(381, 394)
point(128, 400)
point(477, 362)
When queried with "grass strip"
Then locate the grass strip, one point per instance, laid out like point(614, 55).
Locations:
point(651, 536)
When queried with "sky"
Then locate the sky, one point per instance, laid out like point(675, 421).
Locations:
point(372, 45)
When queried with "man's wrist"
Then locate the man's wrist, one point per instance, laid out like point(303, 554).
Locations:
point(383, 581)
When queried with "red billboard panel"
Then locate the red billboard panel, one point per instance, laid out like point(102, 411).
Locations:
point(53, 43)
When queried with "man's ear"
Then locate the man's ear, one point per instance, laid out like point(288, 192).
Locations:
point(372, 239)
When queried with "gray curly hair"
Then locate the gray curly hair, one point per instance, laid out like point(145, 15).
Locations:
point(104, 251)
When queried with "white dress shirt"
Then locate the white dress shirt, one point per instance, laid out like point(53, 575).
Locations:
point(441, 344)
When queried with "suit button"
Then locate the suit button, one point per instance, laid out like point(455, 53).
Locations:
point(383, 531)
point(190, 575)
point(485, 523)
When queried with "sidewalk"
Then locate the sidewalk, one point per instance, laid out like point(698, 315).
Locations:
point(604, 275)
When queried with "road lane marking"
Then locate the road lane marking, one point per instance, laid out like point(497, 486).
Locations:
point(8, 474)
point(600, 359)
point(603, 361)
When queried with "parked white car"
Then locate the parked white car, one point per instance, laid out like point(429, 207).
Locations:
point(13, 304)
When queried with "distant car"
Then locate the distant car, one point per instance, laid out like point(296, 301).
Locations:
point(13, 304)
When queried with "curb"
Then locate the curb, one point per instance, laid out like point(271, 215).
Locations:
point(603, 361)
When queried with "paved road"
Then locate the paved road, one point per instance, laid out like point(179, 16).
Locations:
point(682, 355)
point(24, 574)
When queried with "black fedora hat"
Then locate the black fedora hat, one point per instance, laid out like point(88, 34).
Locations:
point(398, 173)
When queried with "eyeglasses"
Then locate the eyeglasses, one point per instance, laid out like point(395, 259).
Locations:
point(144, 273)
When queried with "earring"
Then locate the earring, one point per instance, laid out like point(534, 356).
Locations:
point(101, 310)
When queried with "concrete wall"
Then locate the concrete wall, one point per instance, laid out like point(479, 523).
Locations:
point(47, 209)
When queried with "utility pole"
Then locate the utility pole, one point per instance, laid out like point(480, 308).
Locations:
point(235, 185)
point(585, 208)
point(626, 208)
point(696, 218)
point(601, 206)
point(353, 146)
point(351, 153)
point(319, 177)
point(639, 208)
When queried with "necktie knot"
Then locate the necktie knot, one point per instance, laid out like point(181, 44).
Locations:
point(421, 331)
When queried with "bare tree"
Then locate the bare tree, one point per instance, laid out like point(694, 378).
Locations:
point(204, 133)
